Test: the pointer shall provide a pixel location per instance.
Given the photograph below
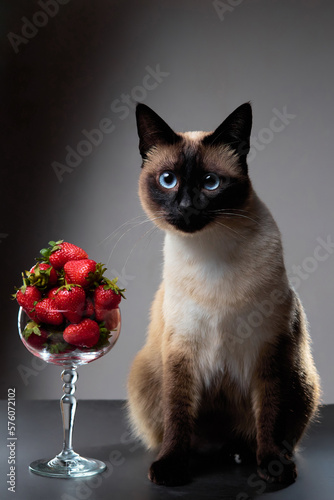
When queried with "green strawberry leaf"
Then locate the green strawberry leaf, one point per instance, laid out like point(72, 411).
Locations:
point(105, 335)
point(96, 277)
point(30, 328)
point(23, 287)
point(111, 284)
point(39, 278)
point(55, 245)
point(46, 252)
point(67, 286)
point(61, 277)
point(57, 348)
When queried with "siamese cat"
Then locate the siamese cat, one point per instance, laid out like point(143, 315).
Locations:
point(227, 355)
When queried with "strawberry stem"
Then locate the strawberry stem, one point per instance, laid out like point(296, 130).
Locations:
point(111, 285)
point(67, 286)
point(46, 252)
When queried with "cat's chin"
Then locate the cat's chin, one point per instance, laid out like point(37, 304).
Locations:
point(180, 226)
point(188, 230)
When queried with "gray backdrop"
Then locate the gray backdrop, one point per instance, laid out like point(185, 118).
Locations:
point(193, 62)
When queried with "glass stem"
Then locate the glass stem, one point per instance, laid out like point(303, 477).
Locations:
point(68, 404)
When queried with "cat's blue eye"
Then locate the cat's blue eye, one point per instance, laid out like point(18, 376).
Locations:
point(211, 182)
point(168, 180)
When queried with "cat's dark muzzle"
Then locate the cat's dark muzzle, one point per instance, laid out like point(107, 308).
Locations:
point(188, 219)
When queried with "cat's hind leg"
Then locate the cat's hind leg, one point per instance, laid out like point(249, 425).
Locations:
point(285, 399)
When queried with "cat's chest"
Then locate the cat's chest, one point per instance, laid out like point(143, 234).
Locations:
point(204, 304)
point(217, 339)
point(205, 273)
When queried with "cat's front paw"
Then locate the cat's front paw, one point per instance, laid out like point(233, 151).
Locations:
point(275, 469)
point(170, 471)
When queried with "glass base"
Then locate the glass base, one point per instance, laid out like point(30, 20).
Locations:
point(77, 467)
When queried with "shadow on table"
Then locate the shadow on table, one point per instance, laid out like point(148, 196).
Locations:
point(238, 481)
point(212, 474)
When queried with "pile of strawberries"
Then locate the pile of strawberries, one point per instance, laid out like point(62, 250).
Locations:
point(69, 300)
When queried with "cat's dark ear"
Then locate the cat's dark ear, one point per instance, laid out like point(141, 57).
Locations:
point(152, 130)
point(234, 132)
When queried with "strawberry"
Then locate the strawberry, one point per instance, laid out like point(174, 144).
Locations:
point(70, 300)
point(27, 297)
point(42, 275)
point(47, 312)
point(82, 272)
point(112, 319)
point(52, 292)
point(84, 334)
point(62, 252)
point(105, 299)
point(37, 341)
point(35, 336)
point(89, 308)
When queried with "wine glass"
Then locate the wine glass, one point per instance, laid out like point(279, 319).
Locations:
point(51, 347)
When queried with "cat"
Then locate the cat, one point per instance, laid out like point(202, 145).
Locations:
point(228, 352)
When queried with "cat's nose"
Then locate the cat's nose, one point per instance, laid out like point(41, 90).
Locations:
point(185, 202)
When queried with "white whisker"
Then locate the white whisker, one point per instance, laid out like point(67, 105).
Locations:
point(228, 212)
point(151, 230)
point(125, 232)
point(240, 215)
point(114, 233)
point(228, 227)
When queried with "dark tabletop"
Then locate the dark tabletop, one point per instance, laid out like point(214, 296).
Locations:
point(101, 432)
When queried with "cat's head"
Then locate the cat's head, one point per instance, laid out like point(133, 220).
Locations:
point(190, 180)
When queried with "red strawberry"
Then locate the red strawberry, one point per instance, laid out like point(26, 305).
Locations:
point(105, 299)
point(82, 272)
point(27, 297)
point(47, 312)
point(84, 334)
point(42, 275)
point(52, 292)
point(89, 308)
point(112, 319)
point(62, 252)
point(70, 300)
point(37, 341)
